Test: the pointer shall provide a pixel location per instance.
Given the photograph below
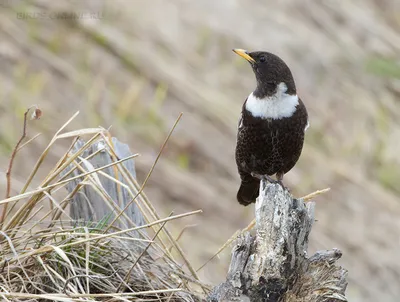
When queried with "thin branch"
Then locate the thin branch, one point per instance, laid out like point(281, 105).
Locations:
point(11, 162)
point(314, 194)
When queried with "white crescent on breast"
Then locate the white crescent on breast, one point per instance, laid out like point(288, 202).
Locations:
point(277, 106)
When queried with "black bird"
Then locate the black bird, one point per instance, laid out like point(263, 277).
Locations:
point(271, 127)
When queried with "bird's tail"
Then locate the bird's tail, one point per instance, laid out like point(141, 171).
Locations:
point(248, 191)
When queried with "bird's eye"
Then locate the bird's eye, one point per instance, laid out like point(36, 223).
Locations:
point(262, 59)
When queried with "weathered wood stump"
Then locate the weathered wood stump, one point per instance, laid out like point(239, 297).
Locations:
point(273, 265)
point(88, 205)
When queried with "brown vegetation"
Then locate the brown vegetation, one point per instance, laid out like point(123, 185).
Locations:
point(88, 233)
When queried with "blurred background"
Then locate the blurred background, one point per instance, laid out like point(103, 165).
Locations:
point(135, 65)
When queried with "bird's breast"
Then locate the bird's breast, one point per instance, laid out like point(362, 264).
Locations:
point(278, 106)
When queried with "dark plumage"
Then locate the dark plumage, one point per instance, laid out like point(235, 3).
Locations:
point(272, 125)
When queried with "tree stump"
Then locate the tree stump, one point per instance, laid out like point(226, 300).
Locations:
point(88, 206)
point(273, 265)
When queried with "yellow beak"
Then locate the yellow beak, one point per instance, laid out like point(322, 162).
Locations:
point(243, 53)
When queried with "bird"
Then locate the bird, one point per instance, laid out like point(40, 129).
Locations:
point(271, 126)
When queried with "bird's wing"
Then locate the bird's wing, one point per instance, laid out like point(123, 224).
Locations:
point(240, 122)
point(307, 123)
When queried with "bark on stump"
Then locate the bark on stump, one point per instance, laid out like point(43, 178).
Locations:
point(273, 265)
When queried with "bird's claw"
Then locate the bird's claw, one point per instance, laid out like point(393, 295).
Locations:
point(269, 179)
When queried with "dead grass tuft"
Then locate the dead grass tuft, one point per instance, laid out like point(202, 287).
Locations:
point(45, 255)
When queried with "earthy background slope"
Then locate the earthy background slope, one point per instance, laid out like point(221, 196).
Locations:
point(136, 65)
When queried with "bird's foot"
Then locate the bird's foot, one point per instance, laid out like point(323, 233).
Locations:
point(263, 177)
point(279, 177)
point(270, 179)
point(283, 186)
point(281, 183)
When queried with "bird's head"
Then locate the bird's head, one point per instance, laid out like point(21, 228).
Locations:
point(272, 74)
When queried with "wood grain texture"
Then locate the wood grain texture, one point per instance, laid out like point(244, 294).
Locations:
point(89, 205)
point(273, 265)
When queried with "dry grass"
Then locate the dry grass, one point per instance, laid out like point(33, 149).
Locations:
point(45, 255)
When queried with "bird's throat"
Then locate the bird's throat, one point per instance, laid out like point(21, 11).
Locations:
point(277, 106)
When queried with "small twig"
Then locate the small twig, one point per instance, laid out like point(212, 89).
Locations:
point(181, 233)
point(314, 194)
point(29, 141)
point(128, 274)
point(11, 162)
point(227, 243)
point(148, 174)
